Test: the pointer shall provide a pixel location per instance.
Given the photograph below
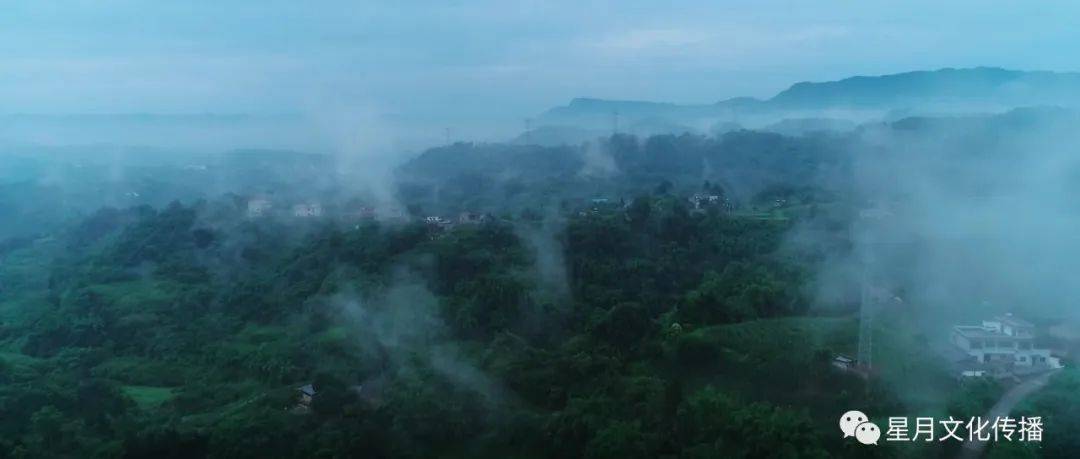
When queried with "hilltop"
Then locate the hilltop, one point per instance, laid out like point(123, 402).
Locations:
point(857, 99)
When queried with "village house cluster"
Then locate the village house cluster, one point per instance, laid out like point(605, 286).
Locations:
point(264, 207)
point(261, 207)
point(370, 392)
point(437, 225)
point(699, 202)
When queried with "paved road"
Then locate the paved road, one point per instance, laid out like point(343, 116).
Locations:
point(1004, 405)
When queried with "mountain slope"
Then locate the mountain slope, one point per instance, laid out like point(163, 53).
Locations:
point(973, 89)
point(982, 84)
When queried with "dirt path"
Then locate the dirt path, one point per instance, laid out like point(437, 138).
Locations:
point(1002, 408)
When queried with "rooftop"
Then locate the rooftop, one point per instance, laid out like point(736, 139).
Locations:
point(976, 331)
point(1013, 320)
point(307, 389)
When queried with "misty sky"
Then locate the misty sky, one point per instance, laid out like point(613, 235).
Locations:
point(488, 58)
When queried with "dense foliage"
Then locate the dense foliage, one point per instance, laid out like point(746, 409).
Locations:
point(185, 331)
point(596, 311)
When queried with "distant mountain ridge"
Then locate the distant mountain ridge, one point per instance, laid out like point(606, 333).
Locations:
point(979, 85)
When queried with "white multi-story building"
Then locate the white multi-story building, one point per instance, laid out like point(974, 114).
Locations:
point(1004, 340)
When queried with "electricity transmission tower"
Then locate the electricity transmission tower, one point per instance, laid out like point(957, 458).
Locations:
point(867, 307)
point(872, 238)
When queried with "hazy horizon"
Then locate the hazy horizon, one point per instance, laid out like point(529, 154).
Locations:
point(387, 229)
point(485, 59)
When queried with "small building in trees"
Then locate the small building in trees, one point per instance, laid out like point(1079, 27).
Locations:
point(305, 395)
point(438, 221)
point(259, 207)
point(699, 201)
point(437, 226)
point(471, 218)
point(307, 392)
point(843, 362)
point(308, 210)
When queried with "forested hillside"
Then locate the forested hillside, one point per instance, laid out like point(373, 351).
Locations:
point(186, 331)
point(630, 297)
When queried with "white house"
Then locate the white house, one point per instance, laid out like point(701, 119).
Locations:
point(308, 210)
point(1004, 340)
point(699, 200)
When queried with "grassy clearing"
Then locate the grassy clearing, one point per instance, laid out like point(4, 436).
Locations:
point(139, 295)
point(149, 397)
point(789, 338)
